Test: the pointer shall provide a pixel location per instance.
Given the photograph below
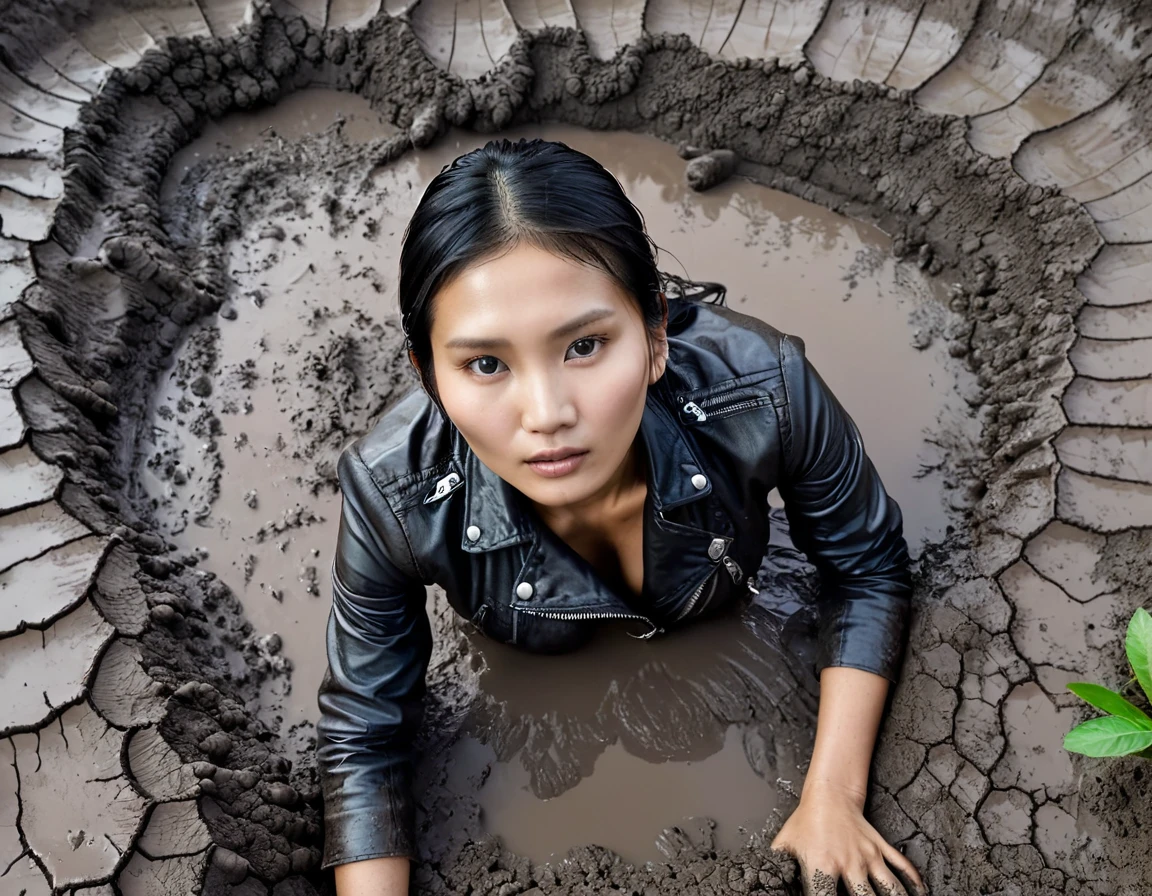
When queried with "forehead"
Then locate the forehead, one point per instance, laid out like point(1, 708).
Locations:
point(521, 291)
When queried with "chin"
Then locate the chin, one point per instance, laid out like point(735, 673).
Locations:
point(559, 493)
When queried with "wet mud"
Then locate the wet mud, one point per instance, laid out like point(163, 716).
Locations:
point(265, 392)
point(196, 314)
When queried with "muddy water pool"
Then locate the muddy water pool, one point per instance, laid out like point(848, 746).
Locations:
point(616, 742)
point(238, 461)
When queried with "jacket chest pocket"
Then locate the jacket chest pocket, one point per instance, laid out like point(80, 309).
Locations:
point(729, 397)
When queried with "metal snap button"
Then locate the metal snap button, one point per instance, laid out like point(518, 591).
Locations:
point(473, 533)
point(524, 590)
point(699, 480)
point(716, 548)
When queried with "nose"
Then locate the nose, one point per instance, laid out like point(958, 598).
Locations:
point(547, 403)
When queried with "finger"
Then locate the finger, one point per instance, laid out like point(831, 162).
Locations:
point(857, 883)
point(904, 865)
point(884, 882)
point(819, 883)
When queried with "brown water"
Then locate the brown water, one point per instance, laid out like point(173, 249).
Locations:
point(314, 287)
point(614, 743)
point(623, 803)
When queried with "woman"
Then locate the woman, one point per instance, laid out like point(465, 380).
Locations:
point(586, 448)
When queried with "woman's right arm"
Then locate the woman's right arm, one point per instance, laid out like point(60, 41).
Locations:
point(373, 877)
point(379, 642)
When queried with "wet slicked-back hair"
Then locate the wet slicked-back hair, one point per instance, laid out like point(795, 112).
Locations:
point(537, 192)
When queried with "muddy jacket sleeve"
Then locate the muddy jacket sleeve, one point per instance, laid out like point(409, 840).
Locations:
point(379, 642)
point(842, 518)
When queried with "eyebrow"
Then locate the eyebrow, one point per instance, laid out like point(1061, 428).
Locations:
point(563, 330)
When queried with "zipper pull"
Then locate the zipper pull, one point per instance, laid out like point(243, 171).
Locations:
point(697, 411)
point(752, 587)
point(656, 630)
point(444, 487)
point(733, 570)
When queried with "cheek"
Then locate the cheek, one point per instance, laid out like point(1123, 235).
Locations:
point(477, 412)
point(615, 393)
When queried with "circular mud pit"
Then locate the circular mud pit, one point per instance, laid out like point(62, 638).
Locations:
point(201, 207)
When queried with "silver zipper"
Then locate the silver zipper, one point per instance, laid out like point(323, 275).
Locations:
point(701, 415)
point(444, 487)
point(693, 408)
point(693, 599)
point(752, 587)
point(741, 405)
point(582, 615)
point(720, 399)
point(733, 570)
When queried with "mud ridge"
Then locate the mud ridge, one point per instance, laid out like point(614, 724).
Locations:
point(962, 779)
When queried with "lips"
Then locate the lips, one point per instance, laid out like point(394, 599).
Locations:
point(559, 462)
point(554, 454)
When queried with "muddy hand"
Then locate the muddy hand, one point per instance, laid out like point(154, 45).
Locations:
point(832, 841)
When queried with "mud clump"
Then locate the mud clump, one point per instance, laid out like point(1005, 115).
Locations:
point(707, 169)
point(965, 778)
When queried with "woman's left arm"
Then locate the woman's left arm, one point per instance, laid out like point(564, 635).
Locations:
point(852, 531)
point(827, 832)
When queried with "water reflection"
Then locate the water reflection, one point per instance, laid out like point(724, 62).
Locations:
point(604, 711)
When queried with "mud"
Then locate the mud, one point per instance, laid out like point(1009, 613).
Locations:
point(112, 294)
point(311, 366)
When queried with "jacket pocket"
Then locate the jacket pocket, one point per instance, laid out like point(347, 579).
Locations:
point(732, 396)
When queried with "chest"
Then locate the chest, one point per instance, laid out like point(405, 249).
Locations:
point(544, 593)
point(617, 554)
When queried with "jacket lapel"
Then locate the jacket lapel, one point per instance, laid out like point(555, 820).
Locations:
point(676, 545)
point(686, 531)
point(494, 511)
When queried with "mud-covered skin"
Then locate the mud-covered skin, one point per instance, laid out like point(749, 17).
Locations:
point(961, 779)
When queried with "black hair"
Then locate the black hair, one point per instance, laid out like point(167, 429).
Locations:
point(534, 191)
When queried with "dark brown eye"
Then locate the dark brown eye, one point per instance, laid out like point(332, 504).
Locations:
point(584, 348)
point(485, 365)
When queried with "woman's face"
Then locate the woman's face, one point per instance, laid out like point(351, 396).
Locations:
point(536, 354)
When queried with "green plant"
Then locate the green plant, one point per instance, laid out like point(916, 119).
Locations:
point(1126, 729)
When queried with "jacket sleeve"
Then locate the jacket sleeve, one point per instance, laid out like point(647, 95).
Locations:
point(379, 642)
point(842, 518)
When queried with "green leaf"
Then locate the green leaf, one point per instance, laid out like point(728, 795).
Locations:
point(1109, 736)
point(1138, 645)
point(1110, 702)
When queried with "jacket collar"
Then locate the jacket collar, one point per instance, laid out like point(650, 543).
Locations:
point(501, 514)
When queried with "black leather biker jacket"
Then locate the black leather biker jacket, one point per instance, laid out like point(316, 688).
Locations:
point(740, 410)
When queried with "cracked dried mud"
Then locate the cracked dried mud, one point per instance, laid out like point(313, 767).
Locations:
point(200, 210)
